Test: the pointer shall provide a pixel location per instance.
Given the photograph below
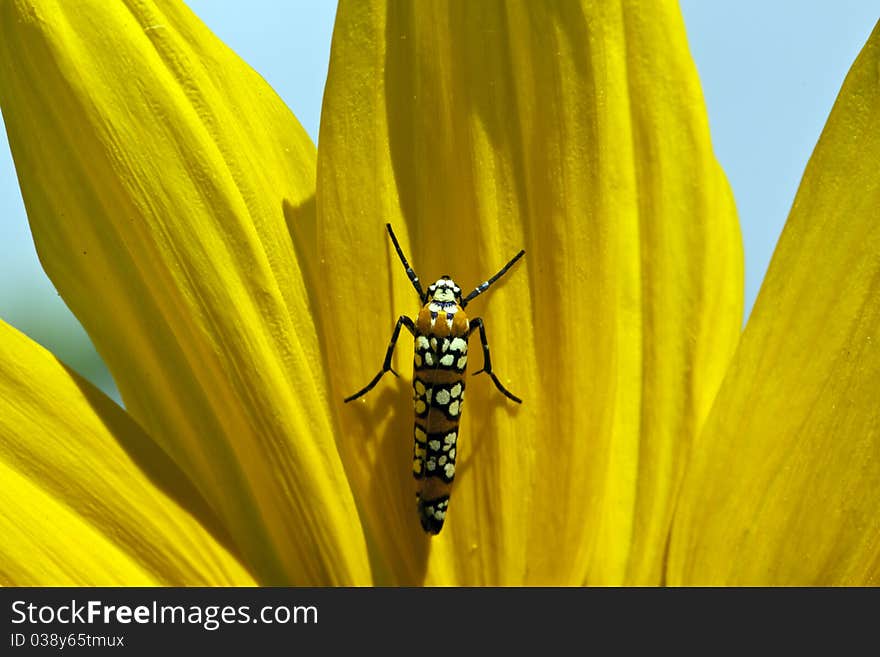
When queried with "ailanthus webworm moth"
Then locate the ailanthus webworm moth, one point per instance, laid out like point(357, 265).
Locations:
point(441, 332)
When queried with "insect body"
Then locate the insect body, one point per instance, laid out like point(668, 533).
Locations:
point(441, 333)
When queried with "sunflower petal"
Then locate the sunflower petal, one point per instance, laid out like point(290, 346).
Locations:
point(783, 486)
point(87, 497)
point(159, 173)
point(576, 131)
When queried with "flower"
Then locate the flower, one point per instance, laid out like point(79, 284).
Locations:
point(238, 284)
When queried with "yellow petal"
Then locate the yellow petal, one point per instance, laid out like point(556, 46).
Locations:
point(783, 486)
point(155, 167)
point(575, 131)
point(87, 498)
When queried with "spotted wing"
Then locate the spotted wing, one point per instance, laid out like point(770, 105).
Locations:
point(439, 386)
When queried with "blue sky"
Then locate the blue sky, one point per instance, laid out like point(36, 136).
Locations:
point(770, 73)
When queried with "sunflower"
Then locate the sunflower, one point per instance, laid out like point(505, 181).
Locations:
point(238, 283)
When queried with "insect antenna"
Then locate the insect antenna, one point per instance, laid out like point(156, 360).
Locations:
point(485, 286)
point(409, 270)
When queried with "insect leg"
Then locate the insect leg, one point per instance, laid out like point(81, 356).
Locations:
point(487, 361)
point(403, 320)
